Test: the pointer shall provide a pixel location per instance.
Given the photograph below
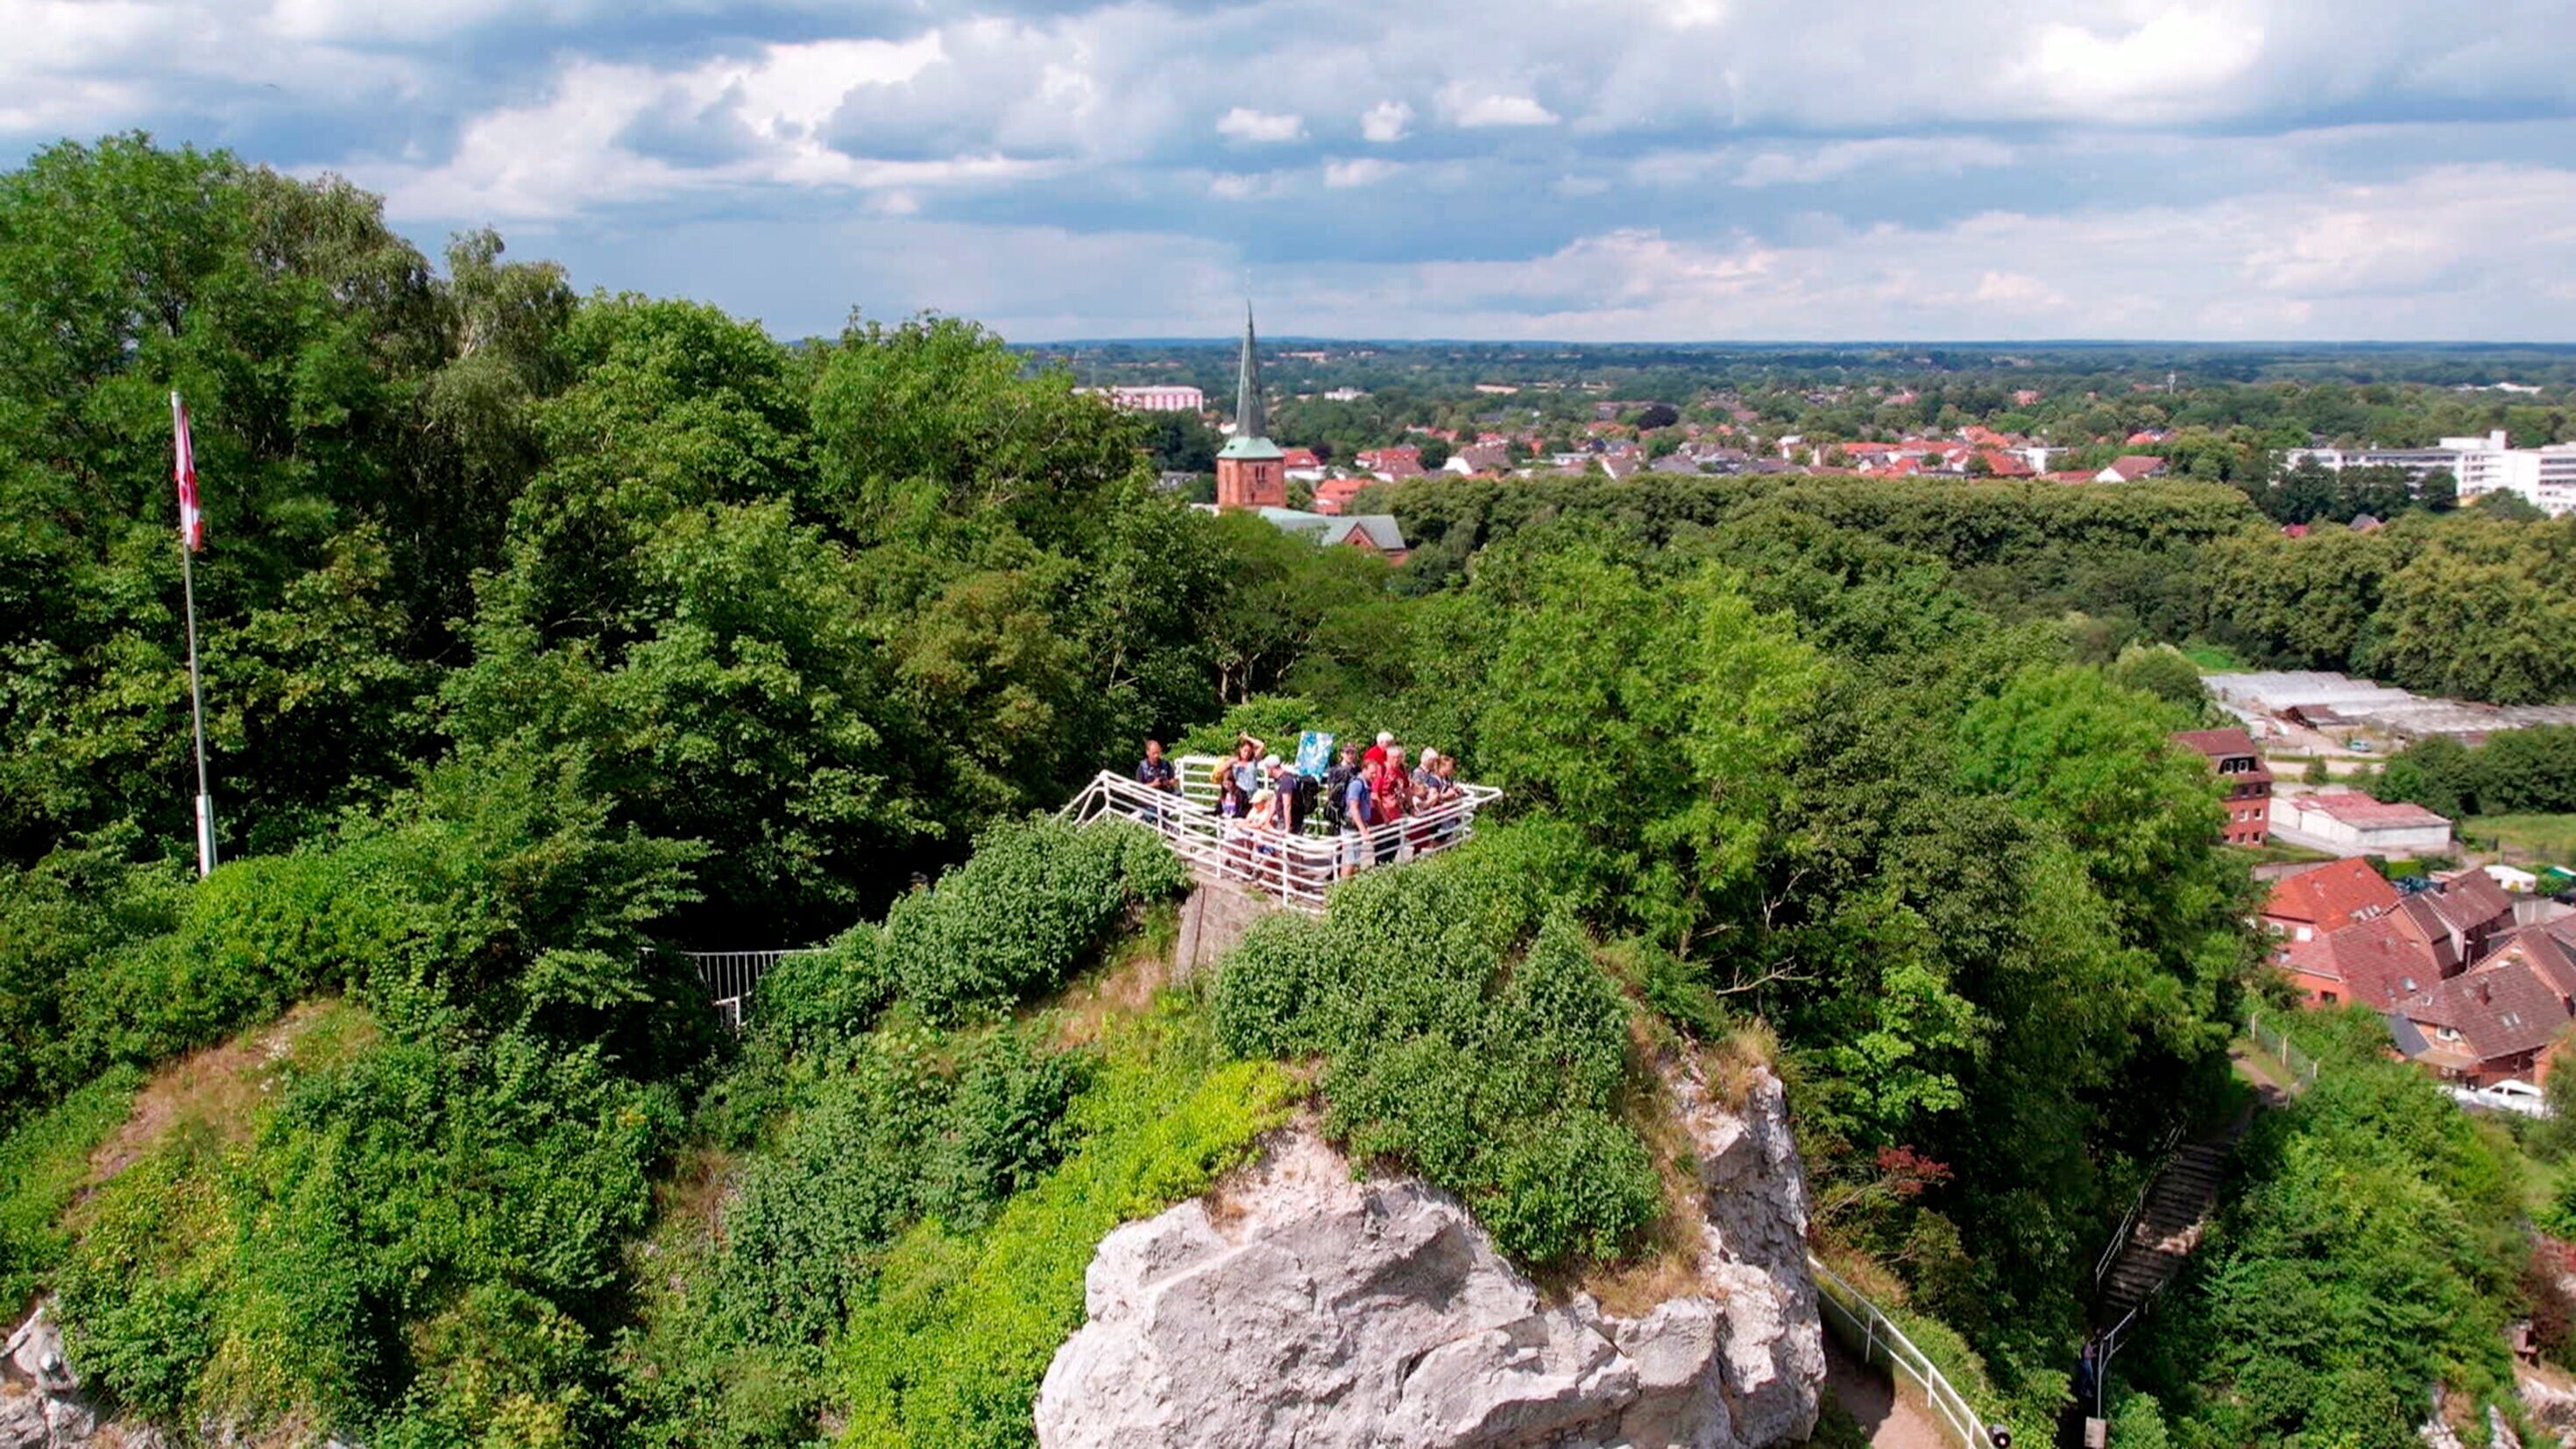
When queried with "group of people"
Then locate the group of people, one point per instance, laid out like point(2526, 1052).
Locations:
point(1363, 797)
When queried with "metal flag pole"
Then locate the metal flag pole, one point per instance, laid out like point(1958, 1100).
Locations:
point(187, 470)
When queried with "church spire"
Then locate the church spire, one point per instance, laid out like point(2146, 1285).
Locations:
point(1248, 421)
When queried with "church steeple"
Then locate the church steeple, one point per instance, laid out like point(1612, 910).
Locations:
point(1251, 472)
point(1248, 420)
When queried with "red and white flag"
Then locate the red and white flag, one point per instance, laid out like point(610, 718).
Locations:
point(192, 519)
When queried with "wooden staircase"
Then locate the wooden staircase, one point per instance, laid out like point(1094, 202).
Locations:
point(2167, 1226)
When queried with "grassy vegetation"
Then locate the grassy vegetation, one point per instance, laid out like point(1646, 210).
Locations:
point(43, 1165)
point(949, 1348)
point(2214, 658)
point(2528, 838)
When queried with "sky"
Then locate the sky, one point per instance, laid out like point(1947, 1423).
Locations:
point(1669, 170)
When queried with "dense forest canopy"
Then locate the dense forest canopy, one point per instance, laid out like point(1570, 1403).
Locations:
point(544, 631)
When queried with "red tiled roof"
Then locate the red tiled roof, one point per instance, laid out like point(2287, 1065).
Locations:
point(1300, 458)
point(2134, 466)
point(2500, 1011)
point(2331, 896)
point(2544, 951)
point(2355, 808)
point(2217, 744)
point(2378, 963)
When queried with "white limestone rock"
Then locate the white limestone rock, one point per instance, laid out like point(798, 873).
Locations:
point(1298, 1306)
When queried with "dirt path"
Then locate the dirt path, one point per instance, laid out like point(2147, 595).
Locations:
point(1890, 1419)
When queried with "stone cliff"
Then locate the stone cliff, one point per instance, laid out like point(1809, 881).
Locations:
point(1296, 1305)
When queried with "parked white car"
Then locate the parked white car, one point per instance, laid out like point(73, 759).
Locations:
point(2505, 1096)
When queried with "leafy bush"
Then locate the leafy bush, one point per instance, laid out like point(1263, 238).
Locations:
point(2373, 1253)
point(825, 997)
point(254, 937)
point(1021, 913)
point(950, 1347)
point(1495, 1077)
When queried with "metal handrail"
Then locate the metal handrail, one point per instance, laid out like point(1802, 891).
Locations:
point(1877, 1333)
point(731, 976)
point(2129, 1219)
point(1298, 869)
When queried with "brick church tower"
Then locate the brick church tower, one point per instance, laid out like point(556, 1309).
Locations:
point(1251, 472)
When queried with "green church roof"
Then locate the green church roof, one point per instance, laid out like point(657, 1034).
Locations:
point(1251, 428)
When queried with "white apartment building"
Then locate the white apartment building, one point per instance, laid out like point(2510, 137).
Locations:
point(2545, 477)
point(1157, 399)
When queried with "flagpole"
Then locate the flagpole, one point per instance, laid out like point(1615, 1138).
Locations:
point(196, 692)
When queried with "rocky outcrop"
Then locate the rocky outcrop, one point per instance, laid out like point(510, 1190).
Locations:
point(1296, 1305)
point(41, 1404)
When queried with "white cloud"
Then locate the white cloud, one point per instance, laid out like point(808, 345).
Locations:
point(2174, 64)
point(2334, 262)
point(1472, 109)
point(572, 151)
point(1358, 171)
point(1387, 122)
point(1259, 127)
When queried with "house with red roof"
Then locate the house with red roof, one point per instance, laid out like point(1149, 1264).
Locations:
point(1302, 464)
point(2247, 781)
point(2484, 1025)
point(2376, 963)
point(2130, 467)
point(1334, 495)
point(2327, 898)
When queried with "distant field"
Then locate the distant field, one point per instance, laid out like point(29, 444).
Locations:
point(2214, 658)
point(2550, 839)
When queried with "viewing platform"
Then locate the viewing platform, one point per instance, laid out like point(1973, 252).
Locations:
point(1294, 868)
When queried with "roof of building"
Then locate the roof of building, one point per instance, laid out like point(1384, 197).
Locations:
point(2469, 900)
point(2216, 744)
point(2547, 952)
point(2499, 1010)
point(2363, 812)
point(1380, 529)
point(1251, 438)
point(2332, 896)
point(2134, 466)
point(1300, 458)
point(2378, 963)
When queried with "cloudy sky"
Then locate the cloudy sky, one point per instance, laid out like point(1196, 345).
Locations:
point(1666, 169)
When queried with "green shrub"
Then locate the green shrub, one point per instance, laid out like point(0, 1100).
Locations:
point(825, 997)
point(1025, 909)
point(949, 1348)
point(42, 1167)
point(1492, 1070)
point(253, 938)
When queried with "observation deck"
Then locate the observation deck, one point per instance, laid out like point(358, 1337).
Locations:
point(1293, 868)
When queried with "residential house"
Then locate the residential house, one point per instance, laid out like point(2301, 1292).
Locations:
point(1391, 464)
point(2458, 919)
point(2328, 898)
point(2248, 782)
point(2500, 1018)
point(1334, 495)
point(2374, 962)
point(2349, 822)
point(2130, 467)
point(1479, 458)
point(1302, 465)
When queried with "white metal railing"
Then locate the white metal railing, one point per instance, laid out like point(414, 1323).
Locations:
point(1296, 867)
point(1880, 1343)
point(731, 976)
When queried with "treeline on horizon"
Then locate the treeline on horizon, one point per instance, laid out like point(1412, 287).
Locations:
point(542, 629)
